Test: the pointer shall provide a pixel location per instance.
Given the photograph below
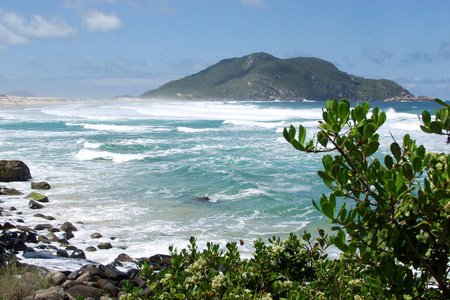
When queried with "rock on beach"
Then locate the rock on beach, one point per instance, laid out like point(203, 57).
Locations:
point(14, 170)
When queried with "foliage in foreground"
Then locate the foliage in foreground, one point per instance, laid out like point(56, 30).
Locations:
point(394, 234)
point(398, 221)
point(296, 268)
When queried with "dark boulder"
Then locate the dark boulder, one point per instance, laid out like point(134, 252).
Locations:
point(67, 226)
point(62, 253)
point(34, 205)
point(14, 170)
point(114, 273)
point(78, 254)
point(104, 246)
point(40, 185)
point(160, 259)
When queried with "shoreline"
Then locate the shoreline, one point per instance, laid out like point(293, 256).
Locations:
point(15, 102)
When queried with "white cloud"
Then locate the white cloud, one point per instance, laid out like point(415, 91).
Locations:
point(37, 26)
point(8, 38)
point(97, 21)
point(15, 29)
point(253, 3)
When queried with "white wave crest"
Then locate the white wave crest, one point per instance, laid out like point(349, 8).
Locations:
point(87, 154)
point(195, 130)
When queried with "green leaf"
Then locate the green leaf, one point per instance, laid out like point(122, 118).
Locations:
point(286, 135)
point(352, 247)
point(343, 111)
point(322, 138)
point(417, 164)
point(426, 117)
point(301, 134)
point(369, 130)
point(328, 210)
point(435, 127)
point(407, 171)
point(425, 129)
point(391, 187)
point(395, 149)
point(358, 113)
point(441, 102)
point(325, 176)
point(388, 162)
point(372, 148)
point(339, 241)
point(297, 145)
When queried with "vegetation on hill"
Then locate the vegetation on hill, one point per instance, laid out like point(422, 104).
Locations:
point(261, 76)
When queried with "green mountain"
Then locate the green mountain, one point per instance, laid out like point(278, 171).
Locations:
point(261, 76)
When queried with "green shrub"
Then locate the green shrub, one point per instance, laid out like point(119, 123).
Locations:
point(397, 223)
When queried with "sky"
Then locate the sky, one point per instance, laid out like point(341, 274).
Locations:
point(106, 48)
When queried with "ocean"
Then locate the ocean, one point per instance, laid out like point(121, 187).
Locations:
point(137, 172)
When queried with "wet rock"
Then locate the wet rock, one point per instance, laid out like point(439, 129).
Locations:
point(14, 170)
point(8, 226)
point(40, 227)
point(34, 205)
point(18, 245)
point(62, 253)
point(30, 253)
point(44, 217)
point(63, 242)
point(68, 235)
point(53, 237)
point(23, 228)
point(114, 274)
point(44, 239)
point(37, 197)
point(91, 249)
point(43, 185)
point(124, 257)
point(67, 226)
point(78, 254)
point(10, 192)
point(28, 237)
point(96, 235)
point(104, 246)
point(160, 259)
point(93, 270)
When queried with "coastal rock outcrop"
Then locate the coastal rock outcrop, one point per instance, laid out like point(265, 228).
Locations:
point(14, 170)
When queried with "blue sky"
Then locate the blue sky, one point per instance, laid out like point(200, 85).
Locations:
point(105, 48)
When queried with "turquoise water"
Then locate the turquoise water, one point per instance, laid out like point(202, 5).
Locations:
point(133, 170)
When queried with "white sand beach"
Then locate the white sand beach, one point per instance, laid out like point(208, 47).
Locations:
point(7, 101)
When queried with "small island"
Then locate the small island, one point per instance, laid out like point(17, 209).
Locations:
point(263, 77)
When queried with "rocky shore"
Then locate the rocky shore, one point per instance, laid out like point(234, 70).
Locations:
point(21, 241)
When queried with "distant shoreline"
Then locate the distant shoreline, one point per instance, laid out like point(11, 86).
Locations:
point(16, 102)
